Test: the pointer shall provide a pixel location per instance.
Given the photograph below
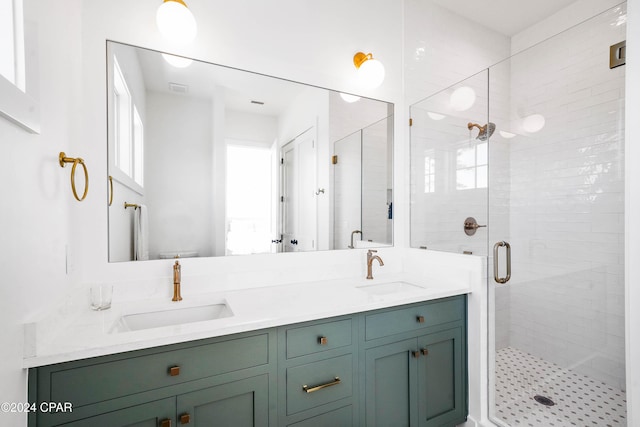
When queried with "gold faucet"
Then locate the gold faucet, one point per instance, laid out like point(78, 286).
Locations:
point(370, 258)
point(177, 275)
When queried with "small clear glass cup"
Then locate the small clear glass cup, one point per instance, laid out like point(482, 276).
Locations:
point(101, 296)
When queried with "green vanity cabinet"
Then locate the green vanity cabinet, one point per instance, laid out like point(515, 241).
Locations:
point(150, 414)
point(175, 383)
point(238, 403)
point(317, 368)
point(414, 365)
point(400, 366)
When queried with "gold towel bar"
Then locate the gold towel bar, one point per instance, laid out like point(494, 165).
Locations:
point(130, 205)
point(63, 160)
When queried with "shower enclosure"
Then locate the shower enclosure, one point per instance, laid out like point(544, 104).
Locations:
point(549, 186)
point(362, 182)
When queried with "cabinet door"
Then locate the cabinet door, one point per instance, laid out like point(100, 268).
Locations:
point(150, 414)
point(441, 379)
point(242, 403)
point(391, 389)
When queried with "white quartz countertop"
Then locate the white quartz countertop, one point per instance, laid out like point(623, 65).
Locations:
point(85, 333)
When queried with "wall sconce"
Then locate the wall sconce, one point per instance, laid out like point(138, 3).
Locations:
point(176, 22)
point(370, 70)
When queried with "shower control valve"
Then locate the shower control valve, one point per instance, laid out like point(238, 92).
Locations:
point(471, 225)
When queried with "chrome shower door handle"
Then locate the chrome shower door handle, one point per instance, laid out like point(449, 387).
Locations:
point(497, 278)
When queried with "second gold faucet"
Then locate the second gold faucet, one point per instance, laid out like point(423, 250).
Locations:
point(370, 258)
point(177, 277)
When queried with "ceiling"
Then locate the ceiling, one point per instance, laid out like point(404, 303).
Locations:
point(508, 17)
point(203, 79)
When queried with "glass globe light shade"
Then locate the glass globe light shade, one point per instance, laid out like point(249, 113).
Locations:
point(507, 135)
point(177, 61)
point(176, 23)
point(349, 98)
point(371, 73)
point(462, 98)
point(533, 123)
point(435, 116)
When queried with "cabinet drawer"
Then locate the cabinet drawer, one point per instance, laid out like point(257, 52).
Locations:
point(316, 375)
point(342, 417)
point(98, 382)
point(408, 319)
point(318, 337)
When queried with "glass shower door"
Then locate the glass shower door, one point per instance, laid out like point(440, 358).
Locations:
point(556, 208)
point(449, 163)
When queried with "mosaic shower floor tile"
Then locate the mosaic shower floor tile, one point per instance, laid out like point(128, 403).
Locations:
point(525, 385)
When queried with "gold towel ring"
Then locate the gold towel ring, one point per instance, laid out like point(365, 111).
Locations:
point(110, 190)
point(63, 161)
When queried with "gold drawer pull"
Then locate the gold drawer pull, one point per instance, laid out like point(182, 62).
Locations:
point(165, 423)
point(420, 319)
point(174, 371)
point(185, 419)
point(323, 340)
point(308, 389)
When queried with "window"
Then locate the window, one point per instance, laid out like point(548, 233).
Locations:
point(7, 42)
point(128, 129)
point(472, 167)
point(429, 172)
point(17, 104)
point(249, 200)
point(138, 148)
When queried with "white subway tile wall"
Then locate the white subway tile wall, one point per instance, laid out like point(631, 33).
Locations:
point(557, 195)
point(565, 301)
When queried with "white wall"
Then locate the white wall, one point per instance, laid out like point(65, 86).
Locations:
point(442, 48)
point(36, 192)
point(178, 174)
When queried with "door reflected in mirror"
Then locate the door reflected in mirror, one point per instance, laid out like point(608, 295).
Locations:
point(221, 161)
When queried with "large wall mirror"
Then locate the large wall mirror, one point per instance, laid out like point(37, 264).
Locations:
point(206, 160)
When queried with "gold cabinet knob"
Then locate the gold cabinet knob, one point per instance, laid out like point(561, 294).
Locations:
point(165, 423)
point(323, 340)
point(174, 371)
point(424, 351)
point(185, 419)
point(420, 319)
point(415, 354)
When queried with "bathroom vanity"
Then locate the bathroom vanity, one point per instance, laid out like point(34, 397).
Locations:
point(404, 363)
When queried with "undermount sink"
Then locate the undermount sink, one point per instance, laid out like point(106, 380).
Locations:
point(174, 316)
point(390, 288)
